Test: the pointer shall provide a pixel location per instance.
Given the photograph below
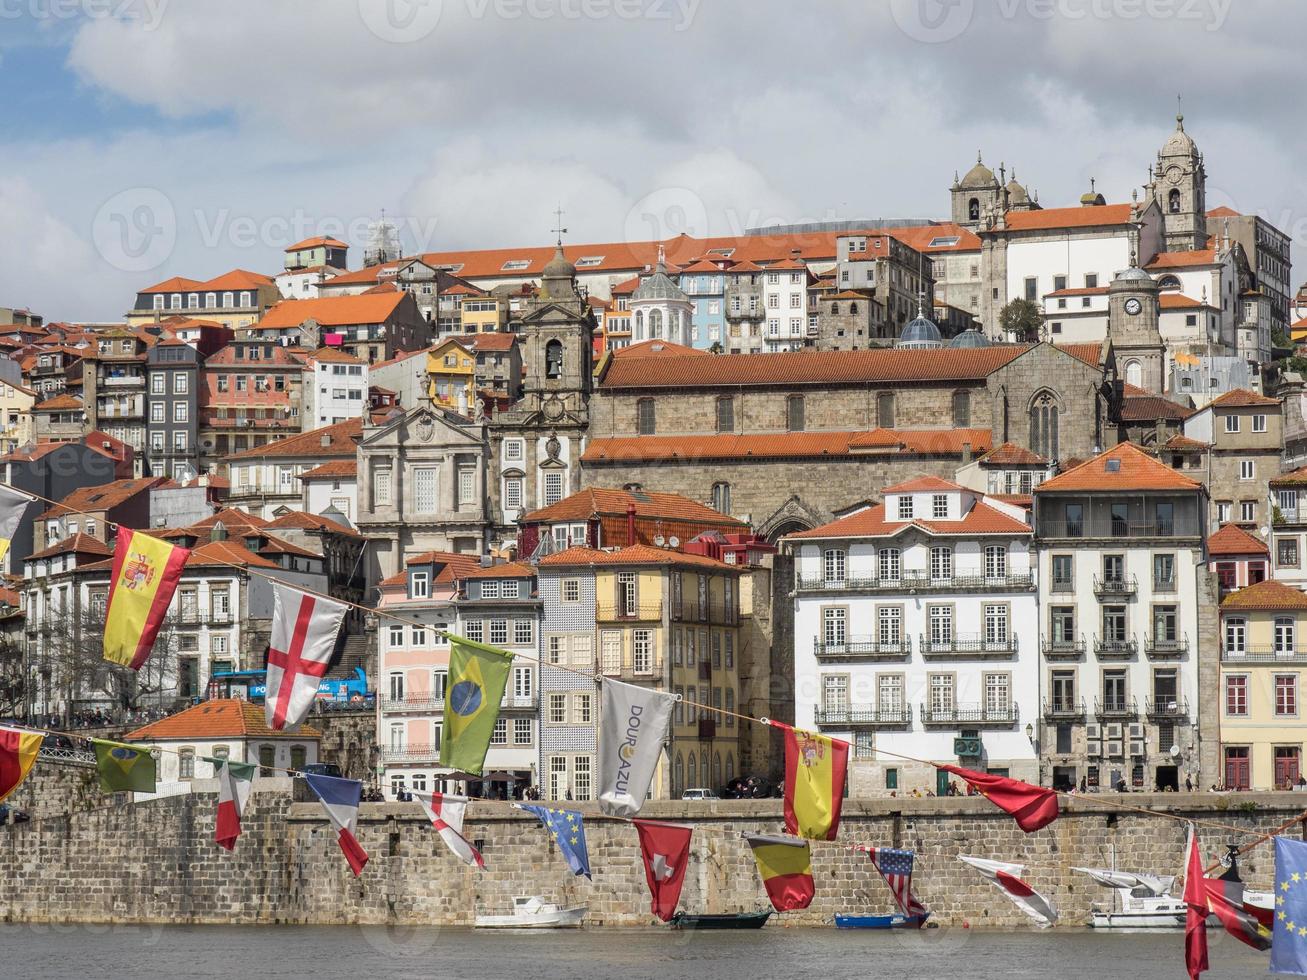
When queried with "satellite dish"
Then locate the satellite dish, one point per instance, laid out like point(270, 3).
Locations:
point(1175, 751)
point(674, 541)
point(1265, 530)
point(659, 539)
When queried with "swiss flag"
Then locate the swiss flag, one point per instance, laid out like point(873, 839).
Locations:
point(1032, 806)
point(666, 851)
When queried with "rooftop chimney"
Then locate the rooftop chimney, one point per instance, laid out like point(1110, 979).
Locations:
point(966, 452)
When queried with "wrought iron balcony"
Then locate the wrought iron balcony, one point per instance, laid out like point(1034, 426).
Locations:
point(1126, 585)
point(1115, 708)
point(1115, 649)
point(968, 645)
point(1162, 648)
point(1062, 649)
point(1167, 707)
point(861, 648)
point(1263, 656)
point(913, 580)
point(417, 703)
point(629, 612)
point(865, 716)
point(970, 714)
point(411, 753)
point(1067, 709)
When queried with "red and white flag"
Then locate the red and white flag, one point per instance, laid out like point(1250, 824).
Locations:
point(304, 629)
point(1195, 919)
point(446, 815)
point(665, 848)
point(235, 780)
point(1007, 879)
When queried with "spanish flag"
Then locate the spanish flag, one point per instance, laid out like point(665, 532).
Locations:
point(815, 770)
point(785, 866)
point(145, 575)
point(18, 751)
point(12, 506)
point(478, 674)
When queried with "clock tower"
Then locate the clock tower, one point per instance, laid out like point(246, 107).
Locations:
point(1133, 309)
point(1179, 185)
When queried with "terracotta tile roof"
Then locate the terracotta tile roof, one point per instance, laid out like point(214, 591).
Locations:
point(1224, 212)
point(339, 441)
point(923, 484)
point(302, 521)
point(1017, 499)
point(224, 718)
point(1180, 260)
point(1081, 217)
point(493, 341)
point(333, 470)
point(785, 445)
point(510, 569)
point(1294, 478)
point(231, 518)
point(329, 355)
point(1243, 398)
point(596, 501)
point(226, 553)
point(61, 402)
point(1137, 470)
point(278, 546)
point(399, 578)
point(629, 369)
point(1142, 406)
point(1010, 454)
point(79, 544)
point(1179, 301)
point(1089, 353)
point(1231, 539)
point(1080, 291)
point(921, 236)
point(453, 566)
point(871, 523)
point(320, 242)
point(236, 279)
point(636, 554)
point(403, 355)
point(103, 497)
point(659, 348)
point(1268, 594)
point(1182, 443)
point(333, 311)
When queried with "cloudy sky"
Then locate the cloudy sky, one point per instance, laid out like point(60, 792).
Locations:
point(151, 138)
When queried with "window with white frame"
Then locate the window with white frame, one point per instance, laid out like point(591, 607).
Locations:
point(1247, 469)
point(610, 651)
point(425, 490)
point(582, 708)
point(905, 507)
point(939, 506)
point(834, 563)
point(522, 734)
point(996, 626)
point(498, 632)
point(889, 564)
point(474, 629)
point(941, 563)
point(396, 636)
point(889, 626)
point(419, 584)
point(642, 651)
point(1259, 423)
point(499, 735)
point(833, 626)
point(995, 561)
point(557, 709)
point(1232, 423)
point(523, 632)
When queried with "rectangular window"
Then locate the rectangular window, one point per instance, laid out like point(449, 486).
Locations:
point(583, 708)
point(498, 632)
point(522, 734)
point(467, 497)
point(1259, 423)
point(889, 625)
point(642, 651)
point(1247, 469)
point(1062, 573)
point(424, 489)
point(1236, 695)
point(939, 506)
point(1285, 635)
point(941, 563)
point(833, 626)
point(1286, 694)
point(557, 709)
point(995, 562)
point(998, 694)
point(835, 692)
point(474, 629)
point(996, 626)
point(941, 690)
point(725, 415)
point(553, 488)
point(419, 585)
point(1164, 573)
point(1286, 552)
point(523, 631)
point(794, 413)
point(888, 560)
point(610, 651)
point(499, 735)
point(1232, 423)
point(941, 626)
point(834, 563)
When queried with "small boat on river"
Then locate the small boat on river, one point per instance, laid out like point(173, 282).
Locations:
point(895, 920)
point(737, 920)
point(531, 912)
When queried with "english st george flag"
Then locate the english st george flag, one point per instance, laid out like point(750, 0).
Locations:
point(665, 848)
point(235, 780)
point(1006, 878)
point(446, 814)
point(304, 629)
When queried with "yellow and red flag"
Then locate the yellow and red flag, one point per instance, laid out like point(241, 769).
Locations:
point(815, 771)
point(145, 575)
point(13, 504)
point(18, 751)
point(785, 867)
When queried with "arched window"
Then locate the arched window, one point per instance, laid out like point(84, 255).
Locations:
point(1168, 282)
point(645, 417)
point(1134, 374)
point(554, 359)
point(639, 325)
point(1173, 201)
point(655, 324)
point(730, 767)
point(703, 765)
point(962, 409)
point(721, 498)
point(716, 769)
point(678, 776)
point(973, 209)
point(885, 410)
point(1044, 424)
point(853, 309)
point(692, 773)
point(835, 309)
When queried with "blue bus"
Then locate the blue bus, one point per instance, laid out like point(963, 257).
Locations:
point(252, 685)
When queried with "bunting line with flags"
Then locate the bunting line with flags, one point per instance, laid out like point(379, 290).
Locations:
point(633, 726)
point(895, 868)
point(1007, 879)
point(785, 867)
point(145, 574)
point(304, 630)
point(446, 814)
point(816, 769)
point(1226, 899)
point(235, 781)
point(1032, 807)
point(18, 752)
point(568, 831)
point(665, 849)
point(13, 504)
point(478, 676)
point(340, 798)
point(124, 768)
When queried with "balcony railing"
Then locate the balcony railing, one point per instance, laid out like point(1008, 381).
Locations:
point(1123, 586)
point(1062, 649)
point(411, 753)
point(918, 581)
point(1162, 648)
point(629, 670)
point(1105, 527)
point(1116, 708)
point(1258, 655)
point(1167, 707)
point(968, 645)
point(632, 612)
point(1062, 585)
point(1115, 649)
point(963, 714)
point(865, 716)
point(1164, 584)
point(862, 648)
point(416, 703)
point(198, 617)
point(1064, 709)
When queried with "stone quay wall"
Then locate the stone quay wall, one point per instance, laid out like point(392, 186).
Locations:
point(156, 862)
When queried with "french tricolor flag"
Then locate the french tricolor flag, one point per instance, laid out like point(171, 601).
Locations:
point(340, 798)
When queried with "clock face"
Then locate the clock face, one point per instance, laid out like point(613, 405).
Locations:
point(1173, 174)
point(1133, 306)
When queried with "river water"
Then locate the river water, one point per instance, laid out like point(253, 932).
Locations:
point(34, 952)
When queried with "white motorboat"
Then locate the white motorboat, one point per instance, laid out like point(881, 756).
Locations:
point(531, 912)
point(1140, 901)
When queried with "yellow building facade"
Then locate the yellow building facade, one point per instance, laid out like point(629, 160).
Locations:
point(451, 373)
point(484, 314)
point(1262, 727)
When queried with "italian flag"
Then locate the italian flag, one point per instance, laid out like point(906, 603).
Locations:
point(235, 780)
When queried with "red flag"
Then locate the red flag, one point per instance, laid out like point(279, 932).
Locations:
point(1032, 806)
point(1195, 922)
point(304, 629)
point(666, 851)
point(1226, 899)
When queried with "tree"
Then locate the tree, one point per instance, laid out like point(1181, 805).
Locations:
point(1022, 320)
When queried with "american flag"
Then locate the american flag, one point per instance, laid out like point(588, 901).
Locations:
point(895, 866)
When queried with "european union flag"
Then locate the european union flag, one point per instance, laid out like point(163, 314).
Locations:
point(1289, 936)
point(565, 828)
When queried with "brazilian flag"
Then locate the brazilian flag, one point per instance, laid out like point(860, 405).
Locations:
point(124, 768)
point(478, 674)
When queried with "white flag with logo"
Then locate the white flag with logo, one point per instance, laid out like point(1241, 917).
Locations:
point(304, 629)
point(633, 723)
